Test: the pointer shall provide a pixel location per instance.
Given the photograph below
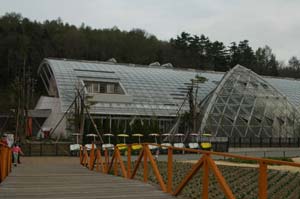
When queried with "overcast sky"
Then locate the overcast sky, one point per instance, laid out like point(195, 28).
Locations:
point(263, 22)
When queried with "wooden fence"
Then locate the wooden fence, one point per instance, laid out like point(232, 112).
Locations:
point(5, 161)
point(94, 159)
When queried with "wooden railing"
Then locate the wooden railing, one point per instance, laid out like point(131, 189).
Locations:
point(93, 159)
point(5, 161)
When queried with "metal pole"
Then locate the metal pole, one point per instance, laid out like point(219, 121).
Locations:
point(89, 115)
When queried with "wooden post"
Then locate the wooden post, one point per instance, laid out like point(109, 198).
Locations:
point(115, 167)
point(221, 180)
point(99, 160)
point(170, 170)
point(92, 157)
point(5, 161)
point(86, 157)
point(187, 178)
point(155, 169)
point(263, 180)
point(80, 155)
point(119, 158)
point(102, 162)
point(205, 178)
point(129, 161)
point(106, 160)
point(1, 162)
point(136, 166)
point(9, 159)
point(145, 166)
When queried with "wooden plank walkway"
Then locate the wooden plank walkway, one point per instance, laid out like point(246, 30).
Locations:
point(64, 177)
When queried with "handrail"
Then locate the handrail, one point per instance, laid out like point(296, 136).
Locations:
point(5, 161)
point(208, 164)
point(229, 155)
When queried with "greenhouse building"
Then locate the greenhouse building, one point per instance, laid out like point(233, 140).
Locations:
point(238, 103)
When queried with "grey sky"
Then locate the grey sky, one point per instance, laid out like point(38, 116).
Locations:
point(263, 22)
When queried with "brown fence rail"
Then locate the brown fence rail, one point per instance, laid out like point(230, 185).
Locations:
point(112, 164)
point(5, 161)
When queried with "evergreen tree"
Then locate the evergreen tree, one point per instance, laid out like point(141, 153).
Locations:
point(242, 54)
point(25, 41)
point(266, 63)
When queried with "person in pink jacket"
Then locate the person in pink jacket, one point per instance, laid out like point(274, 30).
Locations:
point(16, 152)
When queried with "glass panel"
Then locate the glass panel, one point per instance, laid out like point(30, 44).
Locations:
point(110, 88)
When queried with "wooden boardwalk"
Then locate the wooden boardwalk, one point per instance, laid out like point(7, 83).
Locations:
point(64, 177)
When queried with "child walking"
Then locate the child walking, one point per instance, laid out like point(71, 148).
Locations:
point(16, 151)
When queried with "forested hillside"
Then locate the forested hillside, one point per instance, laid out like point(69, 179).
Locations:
point(24, 43)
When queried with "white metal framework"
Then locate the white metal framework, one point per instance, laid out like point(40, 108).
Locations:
point(239, 103)
point(245, 105)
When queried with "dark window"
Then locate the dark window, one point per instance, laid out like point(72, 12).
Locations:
point(103, 87)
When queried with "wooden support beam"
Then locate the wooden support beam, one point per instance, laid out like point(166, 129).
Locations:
point(111, 162)
point(221, 180)
point(170, 170)
point(145, 166)
point(119, 158)
point(129, 161)
point(115, 163)
point(92, 157)
point(263, 180)
point(188, 177)
point(106, 160)
point(81, 155)
point(205, 178)
point(155, 169)
point(137, 164)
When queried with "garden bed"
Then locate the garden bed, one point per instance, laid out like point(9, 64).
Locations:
point(243, 181)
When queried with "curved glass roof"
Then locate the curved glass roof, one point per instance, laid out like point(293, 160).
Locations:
point(246, 105)
point(153, 90)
